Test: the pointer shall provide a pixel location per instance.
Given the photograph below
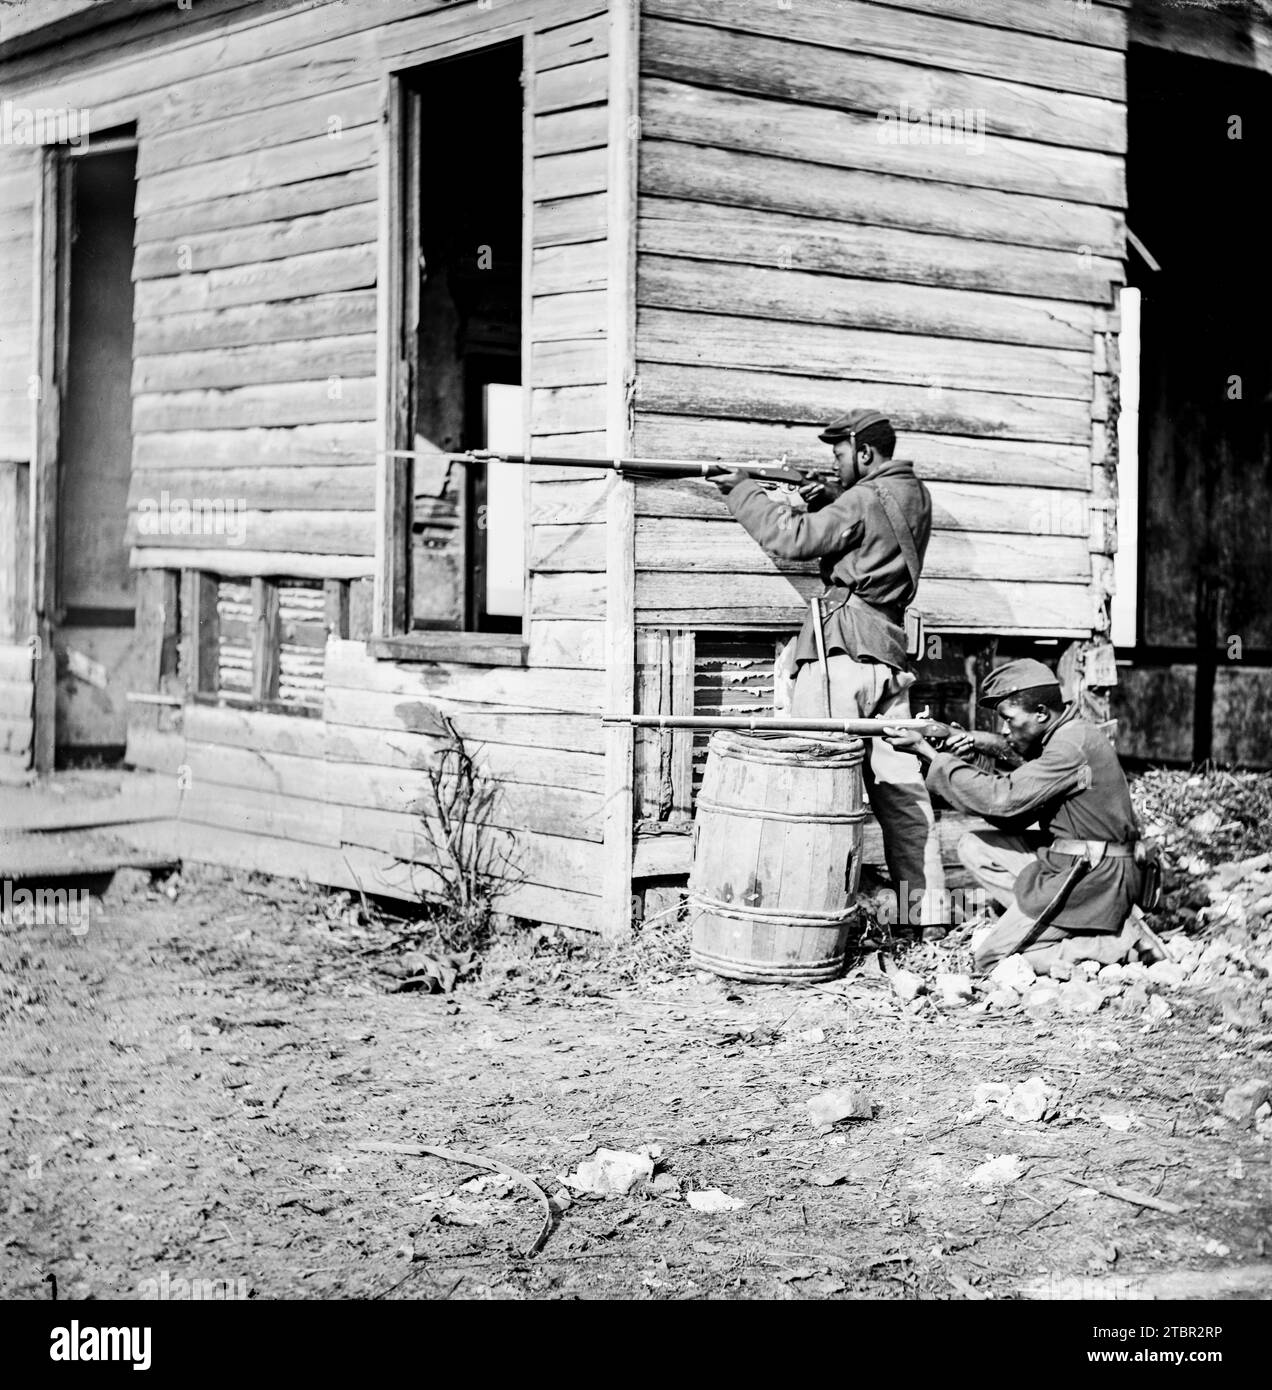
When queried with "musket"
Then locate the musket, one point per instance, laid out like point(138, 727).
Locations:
point(760, 724)
point(794, 474)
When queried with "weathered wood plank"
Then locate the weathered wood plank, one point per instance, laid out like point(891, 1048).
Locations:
point(246, 564)
point(939, 456)
point(572, 43)
point(315, 273)
point(584, 128)
point(669, 599)
point(301, 488)
point(269, 241)
point(348, 666)
point(573, 500)
point(258, 207)
point(723, 548)
point(341, 443)
point(563, 642)
point(313, 359)
point(579, 84)
point(331, 114)
point(16, 662)
point(342, 314)
point(738, 178)
point(568, 220)
point(314, 532)
point(570, 409)
point(550, 860)
point(569, 175)
point(770, 292)
point(567, 269)
point(580, 595)
point(670, 227)
point(921, 38)
point(955, 506)
point(539, 767)
point(550, 809)
point(563, 362)
point(761, 396)
point(245, 407)
point(557, 316)
point(15, 737)
point(848, 79)
point(1096, 24)
point(420, 714)
point(262, 812)
point(849, 139)
point(696, 339)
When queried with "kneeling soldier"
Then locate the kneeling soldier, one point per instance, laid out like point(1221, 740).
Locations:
point(1068, 887)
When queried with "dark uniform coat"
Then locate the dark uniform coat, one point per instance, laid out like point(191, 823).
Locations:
point(867, 583)
point(1075, 790)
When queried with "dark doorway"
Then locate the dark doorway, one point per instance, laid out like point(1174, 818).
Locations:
point(94, 638)
point(1197, 169)
point(464, 276)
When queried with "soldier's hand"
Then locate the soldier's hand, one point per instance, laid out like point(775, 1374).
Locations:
point(817, 494)
point(726, 482)
point(961, 742)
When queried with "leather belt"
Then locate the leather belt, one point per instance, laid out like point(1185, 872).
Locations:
point(1094, 850)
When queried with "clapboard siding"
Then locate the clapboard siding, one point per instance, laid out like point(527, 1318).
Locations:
point(845, 78)
point(792, 294)
point(797, 256)
point(849, 139)
point(769, 183)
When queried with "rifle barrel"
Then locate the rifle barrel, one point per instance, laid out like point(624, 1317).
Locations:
point(671, 468)
point(860, 728)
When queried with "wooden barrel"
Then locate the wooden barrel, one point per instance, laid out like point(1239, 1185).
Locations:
point(777, 857)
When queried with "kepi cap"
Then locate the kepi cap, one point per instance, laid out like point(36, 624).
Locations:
point(853, 423)
point(1015, 676)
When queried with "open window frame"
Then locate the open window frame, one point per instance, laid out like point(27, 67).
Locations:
point(393, 635)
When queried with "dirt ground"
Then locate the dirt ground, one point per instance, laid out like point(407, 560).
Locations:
point(186, 1088)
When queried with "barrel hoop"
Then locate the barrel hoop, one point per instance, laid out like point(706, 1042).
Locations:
point(740, 912)
point(820, 817)
point(768, 972)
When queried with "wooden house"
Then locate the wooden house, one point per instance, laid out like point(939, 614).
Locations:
point(257, 252)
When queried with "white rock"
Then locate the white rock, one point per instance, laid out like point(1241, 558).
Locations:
point(1044, 995)
point(711, 1199)
point(1031, 1100)
point(1081, 997)
point(611, 1171)
point(1111, 975)
point(906, 985)
point(1014, 972)
point(1167, 972)
point(849, 1103)
point(1157, 1010)
point(997, 1172)
point(1062, 970)
point(990, 1093)
point(1242, 1103)
point(955, 989)
point(1118, 1123)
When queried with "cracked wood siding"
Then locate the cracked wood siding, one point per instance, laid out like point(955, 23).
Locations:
point(796, 257)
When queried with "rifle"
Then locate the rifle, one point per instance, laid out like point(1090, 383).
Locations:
point(793, 474)
point(759, 724)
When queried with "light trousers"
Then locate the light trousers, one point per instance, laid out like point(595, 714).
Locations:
point(995, 859)
point(893, 780)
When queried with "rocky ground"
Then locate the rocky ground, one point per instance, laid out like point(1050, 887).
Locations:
point(221, 1088)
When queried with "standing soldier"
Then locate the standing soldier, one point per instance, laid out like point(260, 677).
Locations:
point(870, 535)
